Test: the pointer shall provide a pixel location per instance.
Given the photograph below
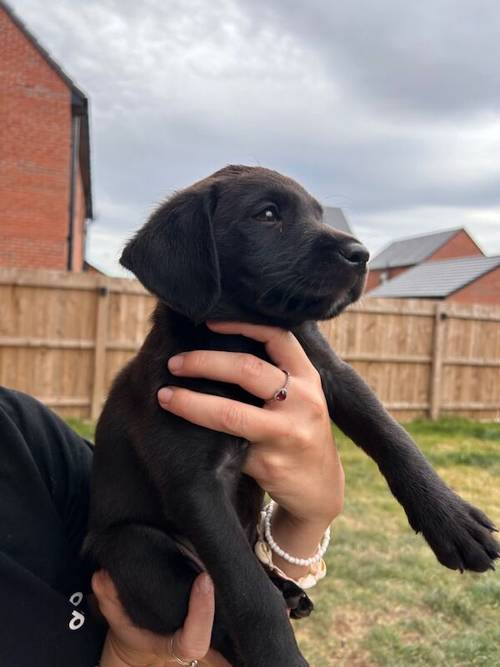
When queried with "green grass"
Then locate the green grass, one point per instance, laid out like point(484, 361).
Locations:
point(84, 427)
point(386, 600)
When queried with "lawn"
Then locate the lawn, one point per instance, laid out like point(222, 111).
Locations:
point(386, 600)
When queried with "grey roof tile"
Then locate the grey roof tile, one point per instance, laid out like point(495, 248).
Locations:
point(436, 279)
point(334, 217)
point(409, 251)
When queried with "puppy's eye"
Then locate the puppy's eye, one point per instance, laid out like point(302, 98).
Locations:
point(269, 214)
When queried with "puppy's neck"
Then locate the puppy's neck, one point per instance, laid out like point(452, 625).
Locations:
point(181, 334)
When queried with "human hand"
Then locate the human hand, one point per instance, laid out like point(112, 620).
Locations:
point(292, 454)
point(129, 646)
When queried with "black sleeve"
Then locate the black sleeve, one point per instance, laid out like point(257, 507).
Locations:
point(44, 490)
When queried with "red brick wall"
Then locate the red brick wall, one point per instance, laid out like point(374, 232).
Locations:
point(373, 279)
point(35, 131)
point(461, 245)
point(484, 290)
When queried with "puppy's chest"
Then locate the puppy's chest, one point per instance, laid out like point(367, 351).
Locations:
point(208, 340)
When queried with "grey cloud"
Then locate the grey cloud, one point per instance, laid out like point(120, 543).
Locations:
point(388, 109)
point(427, 57)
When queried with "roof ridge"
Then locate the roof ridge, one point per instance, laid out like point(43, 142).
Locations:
point(41, 49)
point(411, 250)
point(427, 234)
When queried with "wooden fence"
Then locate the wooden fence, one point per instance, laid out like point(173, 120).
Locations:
point(63, 337)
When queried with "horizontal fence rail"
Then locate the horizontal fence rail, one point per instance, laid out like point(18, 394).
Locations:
point(63, 338)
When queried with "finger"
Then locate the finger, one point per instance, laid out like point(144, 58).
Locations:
point(222, 414)
point(282, 346)
point(108, 600)
point(192, 641)
point(103, 586)
point(255, 375)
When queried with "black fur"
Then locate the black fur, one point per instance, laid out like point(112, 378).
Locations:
point(211, 252)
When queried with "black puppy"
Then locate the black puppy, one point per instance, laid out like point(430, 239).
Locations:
point(244, 244)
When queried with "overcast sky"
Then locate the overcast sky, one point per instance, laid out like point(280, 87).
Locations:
point(388, 109)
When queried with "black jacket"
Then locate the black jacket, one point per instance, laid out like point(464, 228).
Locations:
point(44, 490)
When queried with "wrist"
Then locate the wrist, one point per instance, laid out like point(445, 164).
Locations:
point(298, 537)
point(310, 527)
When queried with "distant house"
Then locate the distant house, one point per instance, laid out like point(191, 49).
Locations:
point(335, 217)
point(465, 279)
point(91, 268)
point(400, 256)
point(45, 187)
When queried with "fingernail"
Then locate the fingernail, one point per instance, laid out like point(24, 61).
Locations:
point(205, 584)
point(176, 363)
point(164, 395)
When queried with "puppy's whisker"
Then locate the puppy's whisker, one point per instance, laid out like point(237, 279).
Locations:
point(293, 290)
point(277, 285)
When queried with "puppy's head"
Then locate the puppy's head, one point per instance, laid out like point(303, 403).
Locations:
point(247, 243)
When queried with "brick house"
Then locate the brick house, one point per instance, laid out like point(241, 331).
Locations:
point(473, 279)
point(45, 187)
point(399, 256)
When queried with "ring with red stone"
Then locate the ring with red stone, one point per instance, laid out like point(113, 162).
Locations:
point(282, 393)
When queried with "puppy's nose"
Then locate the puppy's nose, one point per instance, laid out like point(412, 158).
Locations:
point(354, 252)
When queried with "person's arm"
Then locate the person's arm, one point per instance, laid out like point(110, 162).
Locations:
point(292, 454)
point(44, 470)
point(298, 537)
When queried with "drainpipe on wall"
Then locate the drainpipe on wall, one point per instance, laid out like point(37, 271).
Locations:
point(75, 150)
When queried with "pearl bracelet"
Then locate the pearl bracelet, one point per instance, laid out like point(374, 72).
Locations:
point(308, 580)
point(304, 562)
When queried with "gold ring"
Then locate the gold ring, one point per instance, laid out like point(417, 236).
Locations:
point(181, 661)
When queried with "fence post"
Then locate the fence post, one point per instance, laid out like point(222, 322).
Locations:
point(101, 331)
point(437, 361)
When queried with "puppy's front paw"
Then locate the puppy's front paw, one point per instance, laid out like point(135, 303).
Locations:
point(297, 601)
point(460, 535)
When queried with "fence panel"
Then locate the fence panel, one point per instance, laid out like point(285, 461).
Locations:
point(64, 337)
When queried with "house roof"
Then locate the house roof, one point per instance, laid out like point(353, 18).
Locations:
point(79, 106)
point(436, 280)
point(334, 217)
point(413, 250)
point(89, 266)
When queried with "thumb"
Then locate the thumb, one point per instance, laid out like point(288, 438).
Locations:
point(192, 641)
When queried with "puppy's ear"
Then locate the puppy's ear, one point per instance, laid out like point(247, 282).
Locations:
point(174, 255)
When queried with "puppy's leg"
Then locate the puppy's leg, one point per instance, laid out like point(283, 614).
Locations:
point(251, 607)
point(152, 577)
point(458, 533)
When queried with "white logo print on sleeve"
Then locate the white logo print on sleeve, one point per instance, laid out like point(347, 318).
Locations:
point(77, 618)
